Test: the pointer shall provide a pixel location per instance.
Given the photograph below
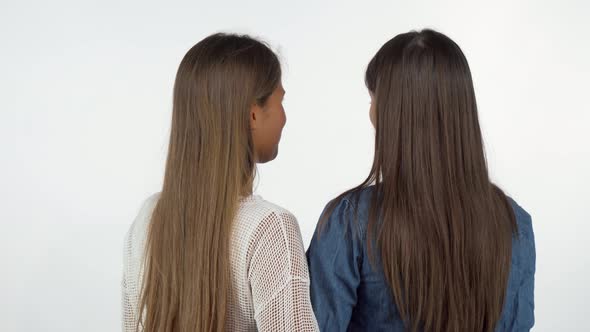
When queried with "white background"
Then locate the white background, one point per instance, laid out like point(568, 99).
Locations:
point(85, 111)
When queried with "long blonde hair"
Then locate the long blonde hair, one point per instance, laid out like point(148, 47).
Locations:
point(210, 164)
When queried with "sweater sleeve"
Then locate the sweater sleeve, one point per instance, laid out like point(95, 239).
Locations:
point(279, 277)
point(334, 263)
point(129, 319)
point(524, 317)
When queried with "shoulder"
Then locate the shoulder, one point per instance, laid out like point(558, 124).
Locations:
point(524, 221)
point(523, 244)
point(266, 221)
point(148, 205)
point(348, 212)
point(259, 210)
point(143, 216)
point(272, 237)
point(356, 200)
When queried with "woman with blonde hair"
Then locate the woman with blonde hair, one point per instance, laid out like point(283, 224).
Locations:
point(205, 254)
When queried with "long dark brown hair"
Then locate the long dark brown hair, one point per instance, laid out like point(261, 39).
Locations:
point(210, 164)
point(443, 230)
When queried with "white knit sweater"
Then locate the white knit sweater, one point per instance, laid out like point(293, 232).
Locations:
point(268, 269)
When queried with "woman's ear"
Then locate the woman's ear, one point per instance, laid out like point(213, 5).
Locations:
point(255, 116)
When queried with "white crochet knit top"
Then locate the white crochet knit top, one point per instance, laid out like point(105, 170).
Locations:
point(268, 269)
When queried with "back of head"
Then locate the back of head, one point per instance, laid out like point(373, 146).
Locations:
point(210, 165)
point(443, 229)
point(424, 95)
point(217, 82)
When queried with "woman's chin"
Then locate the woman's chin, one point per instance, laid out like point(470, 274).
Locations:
point(268, 157)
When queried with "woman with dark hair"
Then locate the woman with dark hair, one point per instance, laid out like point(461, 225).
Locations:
point(427, 242)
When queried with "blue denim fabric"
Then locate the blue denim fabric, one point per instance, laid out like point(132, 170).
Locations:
point(347, 294)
